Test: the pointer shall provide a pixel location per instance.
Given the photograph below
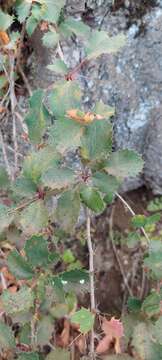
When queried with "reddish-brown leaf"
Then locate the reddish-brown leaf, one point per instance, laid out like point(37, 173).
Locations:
point(113, 330)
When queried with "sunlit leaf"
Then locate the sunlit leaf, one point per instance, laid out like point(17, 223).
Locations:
point(124, 163)
point(51, 10)
point(34, 218)
point(23, 10)
point(5, 21)
point(58, 178)
point(100, 43)
point(84, 318)
point(92, 199)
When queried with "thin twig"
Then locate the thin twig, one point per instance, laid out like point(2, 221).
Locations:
point(116, 254)
point(9, 171)
point(60, 52)
point(132, 213)
point(26, 82)
point(3, 281)
point(13, 105)
point(92, 280)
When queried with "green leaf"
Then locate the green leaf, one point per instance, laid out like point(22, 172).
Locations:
point(19, 266)
point(51, 10)
point(45, 328)
point(144, 347)
point(71, 25)
point(34, 218)
point(20, 301)
point(25, 334)
point(92, 199)
point(69, 92)
point(72, 135)
point(77, 276)
point(154, 263)
point(7, 340)
point(23, 10)
point(58, 67)
point(139, 221)
point(157, 331)
point(118, 357)
point(104, 110)
point(155, 204)
point(58, 354)
point(4, 178)
point(5, 21)
point(68, 210)
point(38, 162)
point(24, 187)
point(50, 39)
point(100, 43)
point(5, 218)
point(37, 117)
point(31, 25)
point(124, 163)
point(58, 178)
point(85, 319)
point(105, 183)
point(97, 140)
point(3, 81)
point(28, 356)
point(68, 257)
point(134, 304)
point(151, 305)
point(36, 249)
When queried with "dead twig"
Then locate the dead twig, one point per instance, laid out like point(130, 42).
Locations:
point(8, 169)
point(92, 280)
point(132, 213)
point(13, 105)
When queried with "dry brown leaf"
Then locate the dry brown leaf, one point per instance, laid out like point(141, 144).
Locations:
point(80, 342)
point(4, 38)
point(113, 330)
point(83, 118)
point(65, 335)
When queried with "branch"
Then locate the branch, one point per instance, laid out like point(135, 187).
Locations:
point(132, 213)
point(13, 105)
point(5, 157)
point(91, 275)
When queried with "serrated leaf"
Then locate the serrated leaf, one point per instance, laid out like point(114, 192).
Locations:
point(37, 117)
point(154, 263)
point(85, 319)
point(18, 266)
point(92, 199)
point(97, 140)
point(4, 178)
point(5, 218)
point(45, 328)
point(23, 10)
point(58, 354)
point(50, 39)
point(7, 340)
point(145, 348)
point(20, 301)
point(34, 218)
point(36, 250)
point(151, 305)
point(5, 21)
point(106, 183)
point(69, 92)
point(23, 187)
point(58, 178)
point(68, 210)
point(51, 10)
point(72, 135)
point(72, 26)
point(36, 163)
point(28, 356)
point(100, 43)
point(124, 163)
point(58, 67)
